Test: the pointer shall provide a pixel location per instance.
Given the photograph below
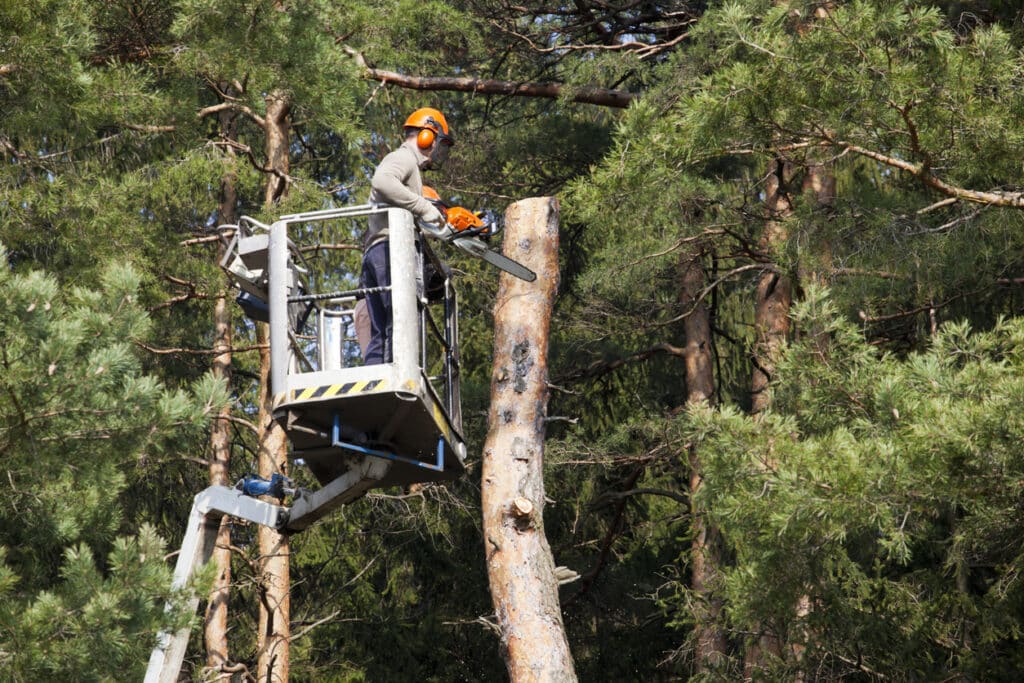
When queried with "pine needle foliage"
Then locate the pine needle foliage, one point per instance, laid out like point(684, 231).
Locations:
point(881, 490)
point(83, 588)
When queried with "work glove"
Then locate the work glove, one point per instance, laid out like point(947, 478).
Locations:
point(433, 216)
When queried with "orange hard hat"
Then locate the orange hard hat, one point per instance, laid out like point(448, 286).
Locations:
point(431, 194)
point(431, 124)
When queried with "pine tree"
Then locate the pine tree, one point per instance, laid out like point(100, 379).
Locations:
point(83, 585)
point(888, 503)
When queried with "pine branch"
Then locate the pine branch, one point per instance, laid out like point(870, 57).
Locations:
point(599, 96)
point(923, 173)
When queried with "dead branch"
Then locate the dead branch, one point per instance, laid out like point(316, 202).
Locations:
point(606, 544)
point(199, 352)
point(318, 622)
point(205, 240)
point(764, 267)
point(142, 128)
point(481, 620)
point(914, 311)
point(232, 106)
point(618, 495)
point(247, 151)
point(857, 272)
point(598, 368)
point(330, 247)
point(238, 420)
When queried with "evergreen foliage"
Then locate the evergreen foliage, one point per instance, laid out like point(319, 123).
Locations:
point(893, 493)
point(84, 587)
point(885, 490)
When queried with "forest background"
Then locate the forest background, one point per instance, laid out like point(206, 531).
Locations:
point(785, 379)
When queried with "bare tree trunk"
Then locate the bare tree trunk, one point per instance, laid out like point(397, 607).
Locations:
point(216, 621)
point(771, 327)
point(774, 291)
point(277, 130)
point(275, 606)
point(705, 555)
point(275, 602)
point(520, 567)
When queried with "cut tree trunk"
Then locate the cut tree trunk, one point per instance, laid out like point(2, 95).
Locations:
point(520, 567)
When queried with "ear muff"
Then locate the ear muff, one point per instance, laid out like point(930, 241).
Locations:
point(425, 138)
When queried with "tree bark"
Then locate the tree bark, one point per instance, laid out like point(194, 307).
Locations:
point(216, 621)
point(774, 291)
point(277, 130)
point(275, 603)
point(705, 554)
point(771, 329)
point(520, 566)
point(275, 606)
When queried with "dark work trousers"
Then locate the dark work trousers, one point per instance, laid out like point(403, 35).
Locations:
point(377, 273)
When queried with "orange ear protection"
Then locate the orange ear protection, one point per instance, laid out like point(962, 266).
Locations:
point(425, 138)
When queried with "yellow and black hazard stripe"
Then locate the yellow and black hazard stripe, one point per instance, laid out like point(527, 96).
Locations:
point(442, 422)
point(333, 390)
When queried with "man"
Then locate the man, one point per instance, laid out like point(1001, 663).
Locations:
point(398, 182)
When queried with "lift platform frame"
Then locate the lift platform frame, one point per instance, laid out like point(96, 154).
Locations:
point(356, 428)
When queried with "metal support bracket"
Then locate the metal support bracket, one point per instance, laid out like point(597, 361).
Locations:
point(336, 441)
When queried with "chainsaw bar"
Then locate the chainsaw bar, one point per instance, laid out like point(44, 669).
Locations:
point(478, 248)
point(474, 246)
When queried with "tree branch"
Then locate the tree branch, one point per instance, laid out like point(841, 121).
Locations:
point(199, 352)
point(598, 368)
point(599, 96)
point(1013, 200)
point(232, 106)
point(609, 538)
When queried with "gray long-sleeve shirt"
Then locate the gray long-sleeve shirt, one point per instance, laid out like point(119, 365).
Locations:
point(397, 182)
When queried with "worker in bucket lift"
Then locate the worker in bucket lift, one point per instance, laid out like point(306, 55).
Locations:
point(433, 281)
point(398, 182)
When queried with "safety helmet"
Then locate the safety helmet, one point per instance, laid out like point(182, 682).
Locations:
point(430, 194)
point(431, 124)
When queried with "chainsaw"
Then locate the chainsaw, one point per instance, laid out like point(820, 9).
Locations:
point(468, 231)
